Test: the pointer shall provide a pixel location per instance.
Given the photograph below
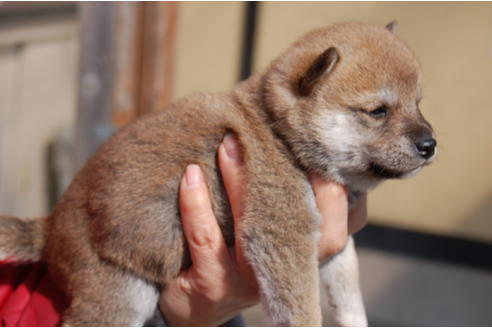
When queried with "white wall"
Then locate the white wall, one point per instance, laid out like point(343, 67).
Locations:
point(38, 66)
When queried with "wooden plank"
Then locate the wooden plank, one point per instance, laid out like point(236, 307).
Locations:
point(127, 62)
point(143, 59)
point(47, 31)
point(159, 39)
point(19, 13)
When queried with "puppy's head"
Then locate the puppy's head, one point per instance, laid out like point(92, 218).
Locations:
point(346, 100)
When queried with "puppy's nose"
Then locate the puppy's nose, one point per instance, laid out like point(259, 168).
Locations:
point(426, 147)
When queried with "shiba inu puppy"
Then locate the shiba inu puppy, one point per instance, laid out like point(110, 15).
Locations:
point(342, 102)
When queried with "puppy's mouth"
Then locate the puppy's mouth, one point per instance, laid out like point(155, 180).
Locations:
point(383, 172)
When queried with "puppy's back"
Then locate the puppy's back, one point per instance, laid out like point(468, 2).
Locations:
point(123, 204)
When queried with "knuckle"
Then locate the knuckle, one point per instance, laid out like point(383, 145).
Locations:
point(202, 241)
point(184, 286)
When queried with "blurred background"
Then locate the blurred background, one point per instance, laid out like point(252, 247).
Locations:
point(72, 73)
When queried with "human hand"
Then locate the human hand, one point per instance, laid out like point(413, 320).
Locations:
point(338, 221)
point(219, 284)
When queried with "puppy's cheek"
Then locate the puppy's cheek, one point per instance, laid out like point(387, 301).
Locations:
point(339, 132)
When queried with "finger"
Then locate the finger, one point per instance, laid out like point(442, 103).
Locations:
point(205, 240)
point(230, 163)
point(332, 202)
point(357, 217)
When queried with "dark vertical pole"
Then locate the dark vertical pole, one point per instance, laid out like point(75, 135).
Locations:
point(249, 30)
point(97, 22)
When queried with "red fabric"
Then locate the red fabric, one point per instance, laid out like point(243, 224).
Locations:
point(28, 297)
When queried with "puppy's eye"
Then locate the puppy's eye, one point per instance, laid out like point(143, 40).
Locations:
point(379, 112)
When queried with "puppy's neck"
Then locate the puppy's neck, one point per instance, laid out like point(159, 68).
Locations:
point(252, 97)
point(246, 94)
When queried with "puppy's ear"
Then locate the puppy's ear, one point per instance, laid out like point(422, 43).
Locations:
point(324, 64)
point(392, 26)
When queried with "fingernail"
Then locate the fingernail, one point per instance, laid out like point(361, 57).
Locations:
point(231, 146)
point(193, 176)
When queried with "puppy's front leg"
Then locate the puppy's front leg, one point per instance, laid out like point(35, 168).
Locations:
point(283, 257)
point(340, 278)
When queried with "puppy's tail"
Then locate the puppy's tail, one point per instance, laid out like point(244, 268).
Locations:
point(21, 239)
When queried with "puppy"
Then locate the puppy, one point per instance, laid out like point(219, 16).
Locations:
point(342, 102)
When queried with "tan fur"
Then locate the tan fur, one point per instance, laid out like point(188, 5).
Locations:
point(117, 226)
point(21, 239)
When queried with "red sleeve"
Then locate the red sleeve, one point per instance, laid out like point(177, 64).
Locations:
point(28, 297)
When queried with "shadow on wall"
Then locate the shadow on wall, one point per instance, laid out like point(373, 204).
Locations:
point(406, 291)
point(481, 216)
point(403, 290)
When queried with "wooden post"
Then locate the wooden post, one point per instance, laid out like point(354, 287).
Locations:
point(126, 67)
point(127, 62)
point(146, 33)
point(159, 33)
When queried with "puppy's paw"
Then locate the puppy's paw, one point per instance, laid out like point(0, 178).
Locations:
point(348, 319)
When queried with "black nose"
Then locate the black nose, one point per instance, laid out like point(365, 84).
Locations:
point(426, 147)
